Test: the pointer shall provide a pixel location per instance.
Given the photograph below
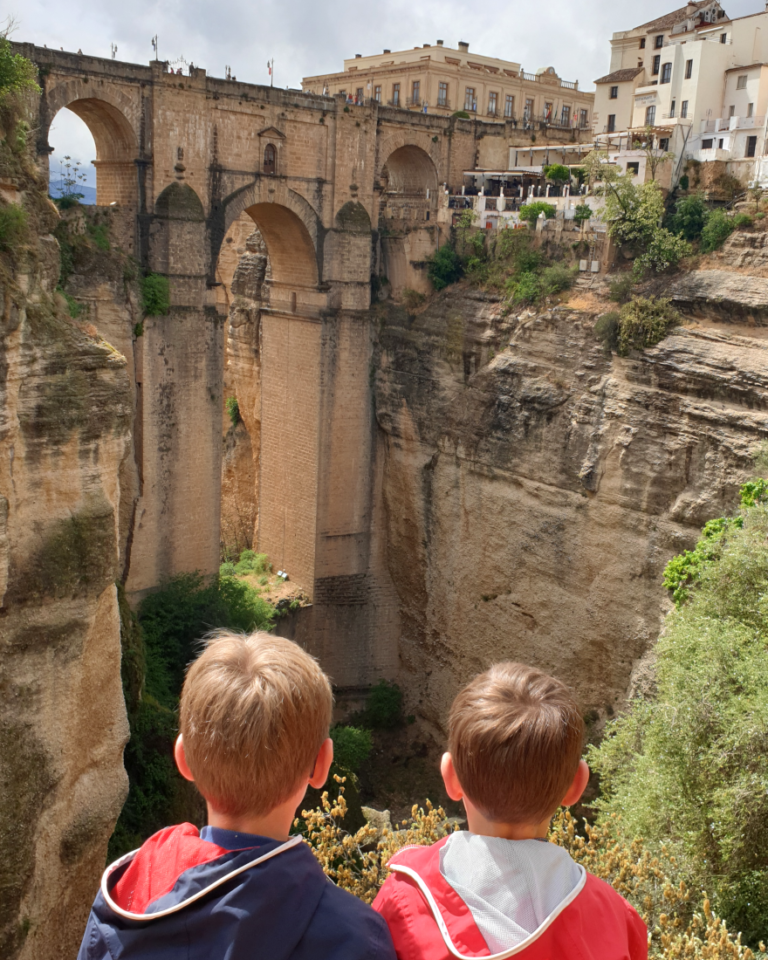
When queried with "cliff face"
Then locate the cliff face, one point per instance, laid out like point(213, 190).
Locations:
point(535, 487)
point(65, 410)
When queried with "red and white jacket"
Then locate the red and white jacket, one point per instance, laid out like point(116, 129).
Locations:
point(428, 919)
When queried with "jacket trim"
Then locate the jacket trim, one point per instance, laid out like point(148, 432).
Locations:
point(294, 841)
point(432, 903)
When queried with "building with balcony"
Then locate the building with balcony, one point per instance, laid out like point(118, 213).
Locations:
point(437, 79)
point(699, 79)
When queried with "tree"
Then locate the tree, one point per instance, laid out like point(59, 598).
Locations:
point(653, 156)
point(689, 217)
point(530, 212)
point(16, 72)
point(557, 173)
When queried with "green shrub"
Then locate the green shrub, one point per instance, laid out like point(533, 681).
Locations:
point(412, 299)
point(253, 563)
point(557, 278)
point(716, 231)
point(171, 622)
point(644, 322)
point(742, 220)
point(444, 267)
point(99, 234)
point(75, 308)
point(689, 769)
point(684, 182)
point(155, 295)
point(461, 114)
point(689, 218)
point(233, 410)
point(582, 212)
point(607, 330)
point(13, 227)
point(351, 747)
point(620, 290)
point(227, 569)
point(558, 173)
point(525, 288)
point(16, 72)
point(384, 706)
point(530, 211)
point(683, 570)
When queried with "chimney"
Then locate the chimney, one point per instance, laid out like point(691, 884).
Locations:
point(387, 51)
point(464, 47)
point(358, 56)
point(440, 42)
point(426, 45)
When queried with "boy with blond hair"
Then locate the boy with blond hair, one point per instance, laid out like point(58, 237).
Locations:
point(254, 717)
point(500, 889)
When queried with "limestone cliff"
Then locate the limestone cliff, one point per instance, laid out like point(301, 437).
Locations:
point(535, 487)
point(65, 411)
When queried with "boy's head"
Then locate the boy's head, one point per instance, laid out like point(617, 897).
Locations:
point(515, 738)
point(254, 713)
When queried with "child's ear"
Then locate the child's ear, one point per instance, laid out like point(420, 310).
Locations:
point(322, 764)
point(181, 759)
point(578, 786)
point(452, 786)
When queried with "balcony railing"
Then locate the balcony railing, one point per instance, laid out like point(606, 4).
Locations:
point(536, 78)
point(394, 102)
point(413, 102)
point(492, 112)
point(445, 103)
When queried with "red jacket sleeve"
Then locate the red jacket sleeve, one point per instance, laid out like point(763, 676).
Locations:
point(637, 935)
point(396, 907)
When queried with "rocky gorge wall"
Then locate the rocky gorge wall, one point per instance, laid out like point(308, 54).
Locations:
point(65, 417)
point(535, 487)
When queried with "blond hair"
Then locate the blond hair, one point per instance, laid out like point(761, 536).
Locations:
point(254, 712)
point(516, 737)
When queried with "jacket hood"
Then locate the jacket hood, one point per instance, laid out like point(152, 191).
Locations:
point(513, 889)
point(180, 895)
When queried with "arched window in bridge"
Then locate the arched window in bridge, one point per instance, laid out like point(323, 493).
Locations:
point(270, 159)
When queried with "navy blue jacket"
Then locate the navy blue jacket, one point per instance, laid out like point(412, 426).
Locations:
point(220, 895)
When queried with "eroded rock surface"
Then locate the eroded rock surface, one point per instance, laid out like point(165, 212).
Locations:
point(65, 411)
point(535, 488)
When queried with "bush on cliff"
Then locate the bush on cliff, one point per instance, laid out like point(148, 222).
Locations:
point(444, 268)
point(157, 646)
point(155, 295)
point(688, 771)
point(639, 324)
point(718, 228)
point(530, 212)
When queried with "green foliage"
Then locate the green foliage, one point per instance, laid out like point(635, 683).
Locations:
point(351, 748)
point(530, 212)
point(99, 233)
point(582, 212)
point(227, 569)
point(716, 231)
point(620, 290)
point(460, 114)
point(558, 173)
point(384, 706)
point(683, 571)
point(742, 220)
point(138, 329)
point(444, 267)
point(607, 330)
point(754, 492)
point(689, 770)
point(13, 227)
point(252, 563)
point(233, 410)
point(689, 217)
point(171, 622)
point(16, 72)
point(641, 323)
point(684, 182)
point(155, 295)
point(75, 308)
point(412, 299)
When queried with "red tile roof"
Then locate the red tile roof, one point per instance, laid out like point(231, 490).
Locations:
point(618, 76)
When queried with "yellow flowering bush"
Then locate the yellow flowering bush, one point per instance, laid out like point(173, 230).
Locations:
point(681, 925)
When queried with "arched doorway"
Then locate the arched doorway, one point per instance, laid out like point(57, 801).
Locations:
point(116, 150)
point(408, 218)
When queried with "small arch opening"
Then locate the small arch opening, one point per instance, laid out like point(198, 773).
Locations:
point(409, 171)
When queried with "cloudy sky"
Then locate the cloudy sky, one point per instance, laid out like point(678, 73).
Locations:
point(306, 37)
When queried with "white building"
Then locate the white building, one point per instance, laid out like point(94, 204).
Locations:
point(699, 79)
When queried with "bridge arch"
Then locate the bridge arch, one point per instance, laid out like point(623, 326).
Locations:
point(291, 231)
point(409, 171)
point(110, 117)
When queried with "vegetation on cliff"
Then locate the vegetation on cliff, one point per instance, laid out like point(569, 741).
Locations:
point(158, 644)
point(688, 769)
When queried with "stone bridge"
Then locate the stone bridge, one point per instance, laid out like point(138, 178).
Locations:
point(340, 194)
